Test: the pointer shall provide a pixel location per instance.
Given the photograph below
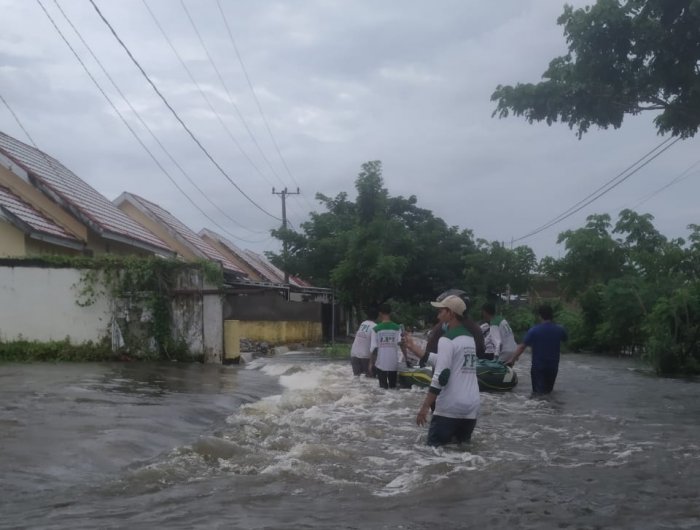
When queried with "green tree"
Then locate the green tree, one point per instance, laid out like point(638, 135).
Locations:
point(592, 256)
point(380, 247)
point(322, 243)
point(495, 269)
point(625, 57)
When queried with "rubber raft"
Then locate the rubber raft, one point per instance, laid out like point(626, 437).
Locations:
point(492, 376)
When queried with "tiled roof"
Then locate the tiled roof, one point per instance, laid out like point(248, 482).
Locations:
point(82, 200)
point(177, 228)
point(255, 261)
point(15, 207)
point(273, 271)
point(232, 249)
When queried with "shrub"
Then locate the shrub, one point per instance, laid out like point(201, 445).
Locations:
point(673, 327)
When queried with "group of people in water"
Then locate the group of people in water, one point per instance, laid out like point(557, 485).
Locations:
point(454, 344)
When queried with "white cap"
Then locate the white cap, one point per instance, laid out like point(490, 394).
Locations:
point(453, 303)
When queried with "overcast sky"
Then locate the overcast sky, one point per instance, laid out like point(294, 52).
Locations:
point(339, 83)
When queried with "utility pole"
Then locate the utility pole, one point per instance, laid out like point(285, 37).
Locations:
point(283, 194)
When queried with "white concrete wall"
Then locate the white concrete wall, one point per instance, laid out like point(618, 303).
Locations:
point(213, 328)
point(40, 304)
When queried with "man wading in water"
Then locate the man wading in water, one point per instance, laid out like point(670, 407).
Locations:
point(545, 340)
point(454, 388)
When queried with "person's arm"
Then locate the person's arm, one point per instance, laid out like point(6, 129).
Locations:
point(372, 350)
point(412, 346)
point(435, 385)
point(518, 352)
point(422, 416)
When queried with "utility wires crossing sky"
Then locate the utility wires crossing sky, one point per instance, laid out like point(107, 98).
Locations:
point(121, 116)
point(175, 114)
point(605, 188)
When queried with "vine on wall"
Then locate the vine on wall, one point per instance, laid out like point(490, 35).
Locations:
point(142, 290)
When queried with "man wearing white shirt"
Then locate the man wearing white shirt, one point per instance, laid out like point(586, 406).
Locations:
point(454, 388)
point(500, 333)
point(362, 345)
point(386, 346)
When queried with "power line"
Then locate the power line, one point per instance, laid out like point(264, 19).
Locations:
point(255, 96)
point(561, 215)
point(150, 131)
point(177, 117)
point(679, 178)
point(126, 123)
point(203, 94)
point(605, 188)
point(257, 101)
point(19, 122)
point(228, 93)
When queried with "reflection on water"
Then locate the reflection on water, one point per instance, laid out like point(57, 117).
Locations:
point(295, 441)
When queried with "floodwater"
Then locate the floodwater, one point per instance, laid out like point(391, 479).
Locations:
point(296, 442)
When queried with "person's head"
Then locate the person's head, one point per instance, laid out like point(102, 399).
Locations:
point(450, 308)
point(488, 310)
point(384, 309)
point(545, 311)
point(455, 292)
point(372, 313)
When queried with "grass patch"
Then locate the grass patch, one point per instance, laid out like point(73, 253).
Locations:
point(59, 350)
point(337, 351)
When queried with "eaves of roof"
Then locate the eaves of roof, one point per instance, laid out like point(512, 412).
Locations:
point(179, 231)
point(33, 223)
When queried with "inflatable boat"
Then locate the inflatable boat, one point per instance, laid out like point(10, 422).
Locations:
point(492, 376)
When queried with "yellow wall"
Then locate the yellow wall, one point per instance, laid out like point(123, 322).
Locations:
point(38, 248)
point(11, 241)
point(100, 245)
point(232, 339)
point(277, 332)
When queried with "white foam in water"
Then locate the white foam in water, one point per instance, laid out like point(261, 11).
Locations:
point(334, 428)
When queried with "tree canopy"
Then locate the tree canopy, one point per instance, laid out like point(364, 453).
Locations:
point(635, 289)
point(625, 57)
point(383, 247)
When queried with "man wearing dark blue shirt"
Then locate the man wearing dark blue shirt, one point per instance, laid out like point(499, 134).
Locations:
point(545, 340)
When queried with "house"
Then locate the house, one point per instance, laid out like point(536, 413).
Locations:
point(256, 265)
point(45, 208)
point(234, 253)
point(184, 241)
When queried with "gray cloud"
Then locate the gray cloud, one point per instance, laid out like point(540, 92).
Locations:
point(340, 83)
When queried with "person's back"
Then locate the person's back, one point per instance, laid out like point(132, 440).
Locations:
point(387, 337)
point(363, 339)
point(506, 338)
point(362, 345)
point(385, 345)
point(545, 340)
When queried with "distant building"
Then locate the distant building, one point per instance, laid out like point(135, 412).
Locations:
point(256, 265)
point(185, 242)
